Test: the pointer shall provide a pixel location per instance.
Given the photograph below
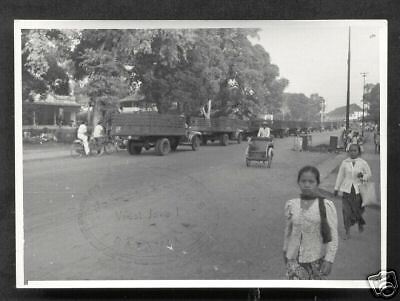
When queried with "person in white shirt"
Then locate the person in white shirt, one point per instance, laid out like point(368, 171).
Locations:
point(98, 132)
point(83, 135)
point(264, 131)
point(98, 136)
point(352, 172)
point(311, 236)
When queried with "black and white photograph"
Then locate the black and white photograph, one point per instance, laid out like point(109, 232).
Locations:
point(200, 153)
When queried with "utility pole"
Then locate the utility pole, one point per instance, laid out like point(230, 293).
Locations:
point(348, 86)
point(364, 75)
point(322, 112)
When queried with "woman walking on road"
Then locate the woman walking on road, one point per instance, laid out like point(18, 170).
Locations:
point(352, 172)
point(311, 238)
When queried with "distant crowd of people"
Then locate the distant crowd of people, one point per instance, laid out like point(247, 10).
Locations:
point(352, 136)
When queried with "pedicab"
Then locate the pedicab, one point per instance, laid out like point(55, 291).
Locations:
point(260, 149)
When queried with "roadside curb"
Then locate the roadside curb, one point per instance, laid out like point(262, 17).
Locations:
point(327, 167)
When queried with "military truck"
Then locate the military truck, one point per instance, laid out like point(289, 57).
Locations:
point(163, 132)
point(222, 129)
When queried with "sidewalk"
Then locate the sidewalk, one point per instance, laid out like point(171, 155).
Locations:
point(48, 150)
point(360, 256)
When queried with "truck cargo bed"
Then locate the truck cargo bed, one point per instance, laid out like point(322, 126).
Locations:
point(217, 125)
point(147, 124)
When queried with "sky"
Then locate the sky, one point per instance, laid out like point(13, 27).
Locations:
point(313, 57)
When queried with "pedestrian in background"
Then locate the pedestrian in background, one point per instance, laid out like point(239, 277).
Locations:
point(352, 172)
point(343, 136)
point(349, 139)
point(83, 135)
point(311, 239)
point(377, 140)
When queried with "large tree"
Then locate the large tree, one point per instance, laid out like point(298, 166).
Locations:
point(373, 100)
point(183, 66)
point(301, 107)
point(187, 67)
point(114, 63)
point(46, 61)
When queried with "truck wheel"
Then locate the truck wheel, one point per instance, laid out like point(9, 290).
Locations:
point(240, 138)
point(137, 149)
point(174, 144)
point(163, 147)
point(134, 149)
point(195, 143)
point(224, 139)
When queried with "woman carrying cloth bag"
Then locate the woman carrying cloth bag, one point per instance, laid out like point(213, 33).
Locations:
point(353, 173)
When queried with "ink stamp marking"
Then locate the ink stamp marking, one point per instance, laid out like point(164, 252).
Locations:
point(149, 222)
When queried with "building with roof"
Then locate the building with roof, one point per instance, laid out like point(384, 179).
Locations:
point(339, 114)
point(53, 111)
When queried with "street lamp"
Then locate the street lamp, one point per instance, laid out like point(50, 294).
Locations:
point(364, 75)
point(348, 86)
point(322, 104)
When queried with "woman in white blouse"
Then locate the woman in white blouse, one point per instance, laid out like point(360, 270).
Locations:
point(308, 250)
point(352, 172)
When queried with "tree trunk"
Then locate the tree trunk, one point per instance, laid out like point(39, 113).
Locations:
point(208, 112)
point(97, 114)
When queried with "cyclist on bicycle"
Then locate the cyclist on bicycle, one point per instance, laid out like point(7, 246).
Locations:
point(83, 135)
point(98, 133)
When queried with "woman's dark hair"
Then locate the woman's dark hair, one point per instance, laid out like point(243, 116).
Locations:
point(358, 147)
point(311, 169)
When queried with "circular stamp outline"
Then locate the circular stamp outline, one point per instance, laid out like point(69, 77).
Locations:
point(191, 249)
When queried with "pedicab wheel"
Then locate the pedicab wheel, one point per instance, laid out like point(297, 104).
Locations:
point(247, 162)
point(269, 158)
point(164, 147)
point(77, 150)
point(109, 147)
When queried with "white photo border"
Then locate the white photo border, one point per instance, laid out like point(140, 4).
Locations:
point(21, 282)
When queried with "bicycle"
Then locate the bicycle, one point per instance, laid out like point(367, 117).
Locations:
point(95, 148)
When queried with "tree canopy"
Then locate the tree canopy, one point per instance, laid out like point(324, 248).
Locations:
point(373, 100)
point(46, 61)
point(303, 108)
point(176, 69)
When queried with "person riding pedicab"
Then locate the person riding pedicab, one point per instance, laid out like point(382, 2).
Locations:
point(263, 132)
